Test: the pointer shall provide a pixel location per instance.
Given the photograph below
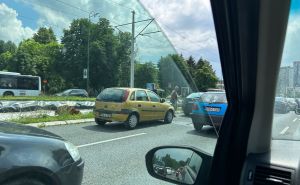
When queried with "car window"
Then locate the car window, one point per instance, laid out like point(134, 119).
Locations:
point(111, 95)
point(109, 48)
point(194, 95)
point(213, 98)
point(286, 106)
point(141, 96)
point(132, 97)
point(153, 97)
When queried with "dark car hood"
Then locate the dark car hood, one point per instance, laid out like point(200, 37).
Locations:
point(13, 128)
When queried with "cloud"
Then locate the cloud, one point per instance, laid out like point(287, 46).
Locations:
point(189, 26)
point(10, 27)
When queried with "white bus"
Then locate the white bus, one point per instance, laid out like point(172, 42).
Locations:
point(15, 84)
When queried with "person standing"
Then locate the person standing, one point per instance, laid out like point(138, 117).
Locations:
point(174, 97)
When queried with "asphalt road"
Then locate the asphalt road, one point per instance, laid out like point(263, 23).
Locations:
point(115, 155)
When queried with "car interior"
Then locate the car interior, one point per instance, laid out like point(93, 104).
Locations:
point(251, 37)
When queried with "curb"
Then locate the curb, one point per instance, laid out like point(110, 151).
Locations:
point(55, 123)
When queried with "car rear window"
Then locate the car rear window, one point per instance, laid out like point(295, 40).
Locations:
point(111, 95)
point(213, 98)
point(194, 95)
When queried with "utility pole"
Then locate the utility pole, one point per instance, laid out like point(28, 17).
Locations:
point(132, 52)
point(133, 38)
point(91, 14)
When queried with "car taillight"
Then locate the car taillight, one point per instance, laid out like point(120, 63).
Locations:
point(195, 107)
point(125, 96)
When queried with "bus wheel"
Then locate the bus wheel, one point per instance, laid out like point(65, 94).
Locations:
point(8, 93)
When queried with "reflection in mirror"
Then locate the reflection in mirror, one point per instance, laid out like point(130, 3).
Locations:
point(177, 164)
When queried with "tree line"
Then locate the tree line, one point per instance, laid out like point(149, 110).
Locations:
point(62, 63)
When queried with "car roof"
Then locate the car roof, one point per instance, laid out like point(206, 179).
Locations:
point(128, 88)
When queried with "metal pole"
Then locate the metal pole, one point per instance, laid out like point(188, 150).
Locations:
point(132, 53)
point(88, 55)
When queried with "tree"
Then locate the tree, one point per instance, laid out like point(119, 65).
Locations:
point(191, 63)
point(5, 59)
point(7, 46)
point(123, 57)
point(173, 70)
point(145, 73)
point(44, 36)
point(205, 77)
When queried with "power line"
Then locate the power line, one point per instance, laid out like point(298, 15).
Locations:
point(70, 5)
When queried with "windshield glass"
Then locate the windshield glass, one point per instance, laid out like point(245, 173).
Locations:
point(286, 122)
point(118, 52)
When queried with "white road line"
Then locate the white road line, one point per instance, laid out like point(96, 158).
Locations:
point(295, 119)
point(284, 130)
point(109, 140)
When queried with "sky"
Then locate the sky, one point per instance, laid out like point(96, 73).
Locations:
point(187, 25)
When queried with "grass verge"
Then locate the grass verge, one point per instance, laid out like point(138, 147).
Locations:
point(45, 98)
point(47, 118)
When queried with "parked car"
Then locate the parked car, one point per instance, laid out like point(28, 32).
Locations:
point(281, 105)
point(73, 92)
point(292, 104)
point(188, 102)
point(29, 155)
point(209, 110)
point(131, 106)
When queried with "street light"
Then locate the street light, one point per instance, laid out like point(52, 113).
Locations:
point(91, 14)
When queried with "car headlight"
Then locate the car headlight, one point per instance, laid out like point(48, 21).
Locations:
point(73, 151)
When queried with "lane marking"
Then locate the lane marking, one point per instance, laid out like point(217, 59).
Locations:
point(295, 119)
point(284, 130)
point(109, 140)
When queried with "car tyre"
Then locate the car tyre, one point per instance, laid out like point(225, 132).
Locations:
point(8, 93)
point(169, 116)
point(100, 122)
point(132, 121)
point(198, 126)
point(25, 181)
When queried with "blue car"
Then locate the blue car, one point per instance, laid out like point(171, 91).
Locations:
point(209, 110)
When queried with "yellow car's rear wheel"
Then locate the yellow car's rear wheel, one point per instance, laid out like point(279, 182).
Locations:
point(100, 122)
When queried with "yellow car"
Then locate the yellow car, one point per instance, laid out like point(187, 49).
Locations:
point(131, 106)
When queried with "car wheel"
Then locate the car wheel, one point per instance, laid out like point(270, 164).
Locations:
point(198, 126)
point(132, 121)
point(169, 117)
point(8, 93)
point(100, 122)
point(25, 181)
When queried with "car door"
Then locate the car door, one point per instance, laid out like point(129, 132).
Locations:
point(143, 105)
point(158, 109)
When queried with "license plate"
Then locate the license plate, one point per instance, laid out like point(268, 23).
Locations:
point(105, 115)
point(212, 109)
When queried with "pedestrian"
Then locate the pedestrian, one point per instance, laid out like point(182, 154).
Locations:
point(174, 97)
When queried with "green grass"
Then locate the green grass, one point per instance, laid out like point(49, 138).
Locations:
point(45, 98)
point(46, 118)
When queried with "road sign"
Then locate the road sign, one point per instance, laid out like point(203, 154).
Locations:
point(84, 73)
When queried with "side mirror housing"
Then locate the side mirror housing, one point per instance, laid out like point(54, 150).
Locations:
point(162, 100)
point(179, 164)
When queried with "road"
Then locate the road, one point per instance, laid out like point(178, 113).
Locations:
point(115, 155)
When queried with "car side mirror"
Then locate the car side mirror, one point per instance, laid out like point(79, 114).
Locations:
point(162, 100)
point(179, 164)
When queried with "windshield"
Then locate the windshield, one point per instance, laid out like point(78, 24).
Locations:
point(95, 64)
point(287, 105)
